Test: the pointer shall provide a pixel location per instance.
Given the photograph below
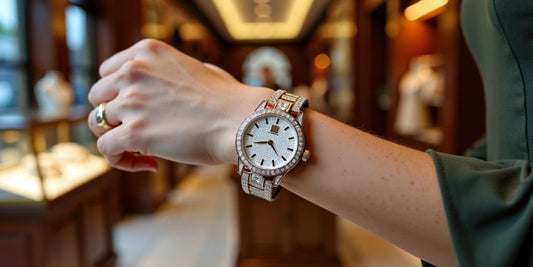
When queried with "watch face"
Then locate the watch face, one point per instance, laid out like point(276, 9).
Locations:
point(270, 142)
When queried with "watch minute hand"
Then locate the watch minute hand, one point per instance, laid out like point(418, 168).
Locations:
point(261, 142)
point(271, 143)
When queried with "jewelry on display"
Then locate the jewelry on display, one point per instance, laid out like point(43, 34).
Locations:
point(100, 117)
point(270, 142)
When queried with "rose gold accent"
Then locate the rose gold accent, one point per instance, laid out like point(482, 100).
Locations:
point(306, 156)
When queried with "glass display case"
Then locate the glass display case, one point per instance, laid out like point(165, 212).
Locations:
point(45, 156)
point(58, 198)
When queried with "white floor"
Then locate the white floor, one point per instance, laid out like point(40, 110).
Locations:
point(197, 227)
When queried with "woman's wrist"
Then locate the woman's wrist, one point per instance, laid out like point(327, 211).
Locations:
point(243, 104)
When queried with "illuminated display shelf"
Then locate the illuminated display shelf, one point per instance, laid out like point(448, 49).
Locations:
point(27, 137)
point(19, 181)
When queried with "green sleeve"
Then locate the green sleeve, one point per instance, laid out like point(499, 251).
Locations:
point(489, 208)
point(478, 150)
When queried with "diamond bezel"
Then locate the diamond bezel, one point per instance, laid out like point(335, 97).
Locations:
point(270, 172)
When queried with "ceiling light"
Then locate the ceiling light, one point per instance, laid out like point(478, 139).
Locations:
point(239, 29)
point(423, 8)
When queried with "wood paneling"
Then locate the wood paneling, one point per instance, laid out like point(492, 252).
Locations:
point(143, 192)
point(287, 232)
point(15, 248)
point(72, 230)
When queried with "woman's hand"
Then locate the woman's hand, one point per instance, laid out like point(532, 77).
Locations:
point(164, 103)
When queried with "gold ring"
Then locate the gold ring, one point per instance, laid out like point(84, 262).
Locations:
point(100, 117)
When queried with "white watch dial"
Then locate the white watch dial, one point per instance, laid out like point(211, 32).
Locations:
point(270, 142)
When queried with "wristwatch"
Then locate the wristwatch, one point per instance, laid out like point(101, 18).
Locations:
point(270, 142)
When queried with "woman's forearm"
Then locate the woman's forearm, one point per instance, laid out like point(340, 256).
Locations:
point(387, 188)
point(162, 103)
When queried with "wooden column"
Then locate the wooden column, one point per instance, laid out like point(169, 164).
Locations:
point(46, 38)
point(118, 26)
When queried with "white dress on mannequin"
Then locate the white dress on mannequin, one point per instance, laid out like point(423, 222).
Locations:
point(53, 93)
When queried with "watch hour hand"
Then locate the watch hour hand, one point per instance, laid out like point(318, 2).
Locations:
point(261, 142)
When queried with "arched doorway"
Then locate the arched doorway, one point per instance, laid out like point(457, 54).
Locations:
point(268, 59)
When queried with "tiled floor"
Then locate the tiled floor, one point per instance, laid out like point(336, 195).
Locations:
point(197, 227)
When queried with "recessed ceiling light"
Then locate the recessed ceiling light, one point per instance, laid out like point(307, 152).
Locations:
point(240, 29)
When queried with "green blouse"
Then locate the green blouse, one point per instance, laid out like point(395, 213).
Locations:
point(488, 194)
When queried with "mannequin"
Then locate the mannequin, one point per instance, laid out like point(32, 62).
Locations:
point(420, 87)
point(53, 93)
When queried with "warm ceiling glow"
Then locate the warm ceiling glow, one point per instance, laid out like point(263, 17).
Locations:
point(241, 30)
point(422, 8)
point(322, 61)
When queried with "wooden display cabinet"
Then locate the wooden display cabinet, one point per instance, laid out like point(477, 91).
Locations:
point(143, 192)
point(74, 229)
point(54, 218)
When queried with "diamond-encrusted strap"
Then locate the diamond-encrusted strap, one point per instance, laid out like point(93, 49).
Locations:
point(244, 182)
point(268, 191)
point(257, 185)
point(287, 102)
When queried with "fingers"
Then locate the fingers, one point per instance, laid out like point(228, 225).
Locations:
point(105, 89)
point(114, 146)
point(143, 47)
point(136, 162)
point(114, 63)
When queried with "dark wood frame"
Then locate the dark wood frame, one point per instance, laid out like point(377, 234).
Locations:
point(74, 229)
point(287, 232)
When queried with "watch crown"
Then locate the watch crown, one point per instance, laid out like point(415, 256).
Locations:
point(306, 156)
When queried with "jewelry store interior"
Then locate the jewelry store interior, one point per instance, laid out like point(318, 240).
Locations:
point(393, 68)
